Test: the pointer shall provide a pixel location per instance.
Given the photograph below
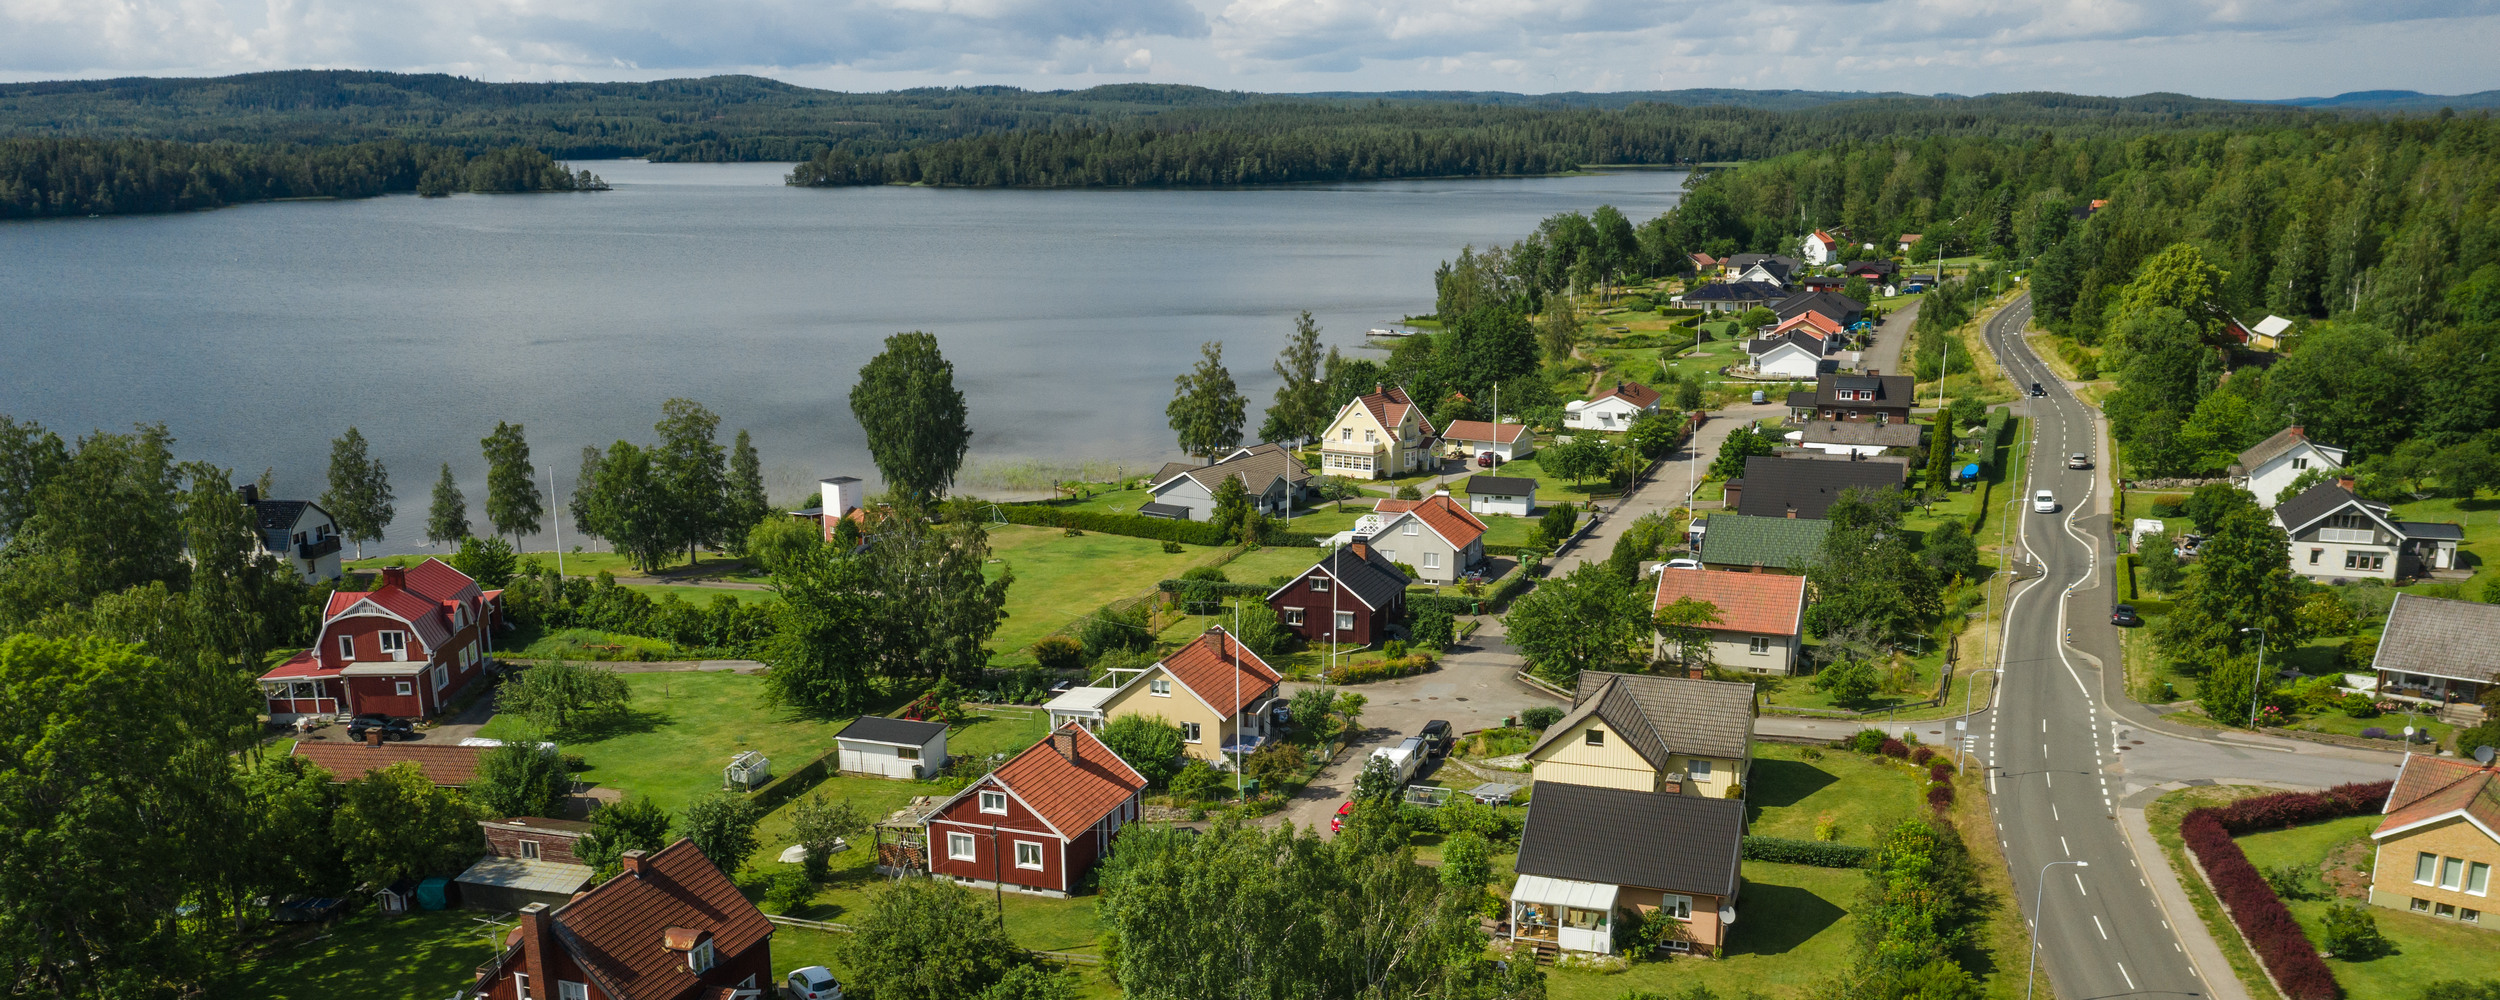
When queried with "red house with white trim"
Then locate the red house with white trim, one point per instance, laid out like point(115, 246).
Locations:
point(668, 927)
point(1041, 821)
point(406, 649)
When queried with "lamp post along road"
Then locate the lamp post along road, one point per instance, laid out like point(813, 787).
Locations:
point(2257, 684)
point(2040, 913)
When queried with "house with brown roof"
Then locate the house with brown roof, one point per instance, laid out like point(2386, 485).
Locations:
point(445, 765)
point(1761, 616)
point(1436, 535)
point(1470, 438)
point(2438, 651)
point(407, 648)
point(2272, 464)
point(1380, 435)
point(1879, 398)
point(1039, 822)
point(1612, 410)
point(668, 927)
point(1273, 476)
point(2439, 840)
point(1215, 689)
point(1650, 733)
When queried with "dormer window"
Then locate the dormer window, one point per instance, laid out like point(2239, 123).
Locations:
point(994, 803)
point(700, 958)
point(1594, 737)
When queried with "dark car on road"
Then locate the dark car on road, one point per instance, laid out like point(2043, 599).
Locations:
point(2124, 615)
point(391, 729)
point(1436, 734)
point(2037, 391)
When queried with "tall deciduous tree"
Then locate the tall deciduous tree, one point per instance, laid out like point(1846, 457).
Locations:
point(394, 824)
point(1301, 409)
point(359, 497)
point(628, 506)
point(1207, 408)
point(2244, 589)
point(747, 504)
point(1684, 634)
point(821, 824)
point(519, 778)
point(632, 824)
point(513, 501)
point(1587, 620)
point(722, 826)
point(585, 486)
point(447, 519)
point(918, 428)
point(29, 457)
point(922, 939)
point(1867, 576)
point(691, 467)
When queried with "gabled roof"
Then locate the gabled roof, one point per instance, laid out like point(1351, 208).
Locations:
point(2324, 500)
point(1891, 391)
point(1258, 468)
point(1870, 266)
point(1772, 262)
point(1614, 705)
point(1761, 603)
point(2271, 326)
point(1071, 796)
point(2429, 789)
point(1509, 486)
point(1734, 291)
point(444, 764)
point(1822, 237)
point(1771, 542)
point(1820, 324)
point(1634, 393)
point(1483, 430)
point(1210, 665)
point(1710, 718)
point(1774, 487)
point(1360, 570)
point(2282, 441)
point(893, 732)
point(1615, 836)
point(616, 931)
point(2429, 635)
point(1863, 432)
point(1389, 406)
point(1439, 514)
point(1804, 340)
point(279, 515)
point(1832, 304)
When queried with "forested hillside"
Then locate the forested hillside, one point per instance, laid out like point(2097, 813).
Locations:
point(50, 177)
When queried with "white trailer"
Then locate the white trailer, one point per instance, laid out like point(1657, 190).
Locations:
point(1405, 757)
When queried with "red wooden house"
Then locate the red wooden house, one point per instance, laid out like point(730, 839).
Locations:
point(669, 927)
point(1354, 595)
point(1041, 821)
point(407, 648)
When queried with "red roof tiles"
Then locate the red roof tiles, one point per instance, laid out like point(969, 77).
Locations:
point(1070, 795)
point(1389, 406)
point(621, 930)
point(1442, 514)
point(2429, 788)
point(1483, 430)
point(1761, 603)
point(444, 765)
point(1212, 662)
point(1630, 392)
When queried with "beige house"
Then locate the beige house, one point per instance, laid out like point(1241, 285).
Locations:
point(1651, 734)
point(2441, 837)
point(1760, 617)
point(1215, 689)
point(1383, 435)
point(1435, 535)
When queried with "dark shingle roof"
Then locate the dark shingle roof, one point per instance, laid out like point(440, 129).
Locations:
point(2428, 635)
point(1615, 836)
point(1710, 718)
point(1369, 577)
point(1876, 266)
point(879, 729)
point(1773, 542)
point(1832, 304)
point(2318, 501)
point(1734, 291)
point(1863, 432)
point(2432, 530)
point(1169, 511)
point(278, 515)
point(1801, 399)
point(1897, 392)
point(1772, 487)
point(1501, 486)
point(1763, 345)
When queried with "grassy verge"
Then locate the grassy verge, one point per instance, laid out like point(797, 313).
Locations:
point(1059, 577)
point(2425, 949)
point(424, 954)
point(2163, 815)
point(681, 729)
point(1796, 788)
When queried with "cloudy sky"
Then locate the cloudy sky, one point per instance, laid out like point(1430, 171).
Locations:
point(2214, 48)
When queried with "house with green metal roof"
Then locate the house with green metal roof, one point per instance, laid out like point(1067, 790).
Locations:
point(1747, 544)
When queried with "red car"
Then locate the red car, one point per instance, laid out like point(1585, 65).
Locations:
point(1337, 825)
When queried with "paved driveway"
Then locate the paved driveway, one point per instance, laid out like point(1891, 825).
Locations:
point(1666, 489)
point(1884, 355)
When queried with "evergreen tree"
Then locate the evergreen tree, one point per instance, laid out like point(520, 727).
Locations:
point(359, 497)
point(447, 520)
point(1206, 409)
point(513, 501)
point(918, 428)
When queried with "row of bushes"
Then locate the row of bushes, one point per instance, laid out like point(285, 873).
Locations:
point(1132, 525)
point(1389, 668)
point(2262, 918)
point(1820, 854)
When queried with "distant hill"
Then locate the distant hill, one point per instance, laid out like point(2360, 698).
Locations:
point(2392, 100)
point(1758, 100)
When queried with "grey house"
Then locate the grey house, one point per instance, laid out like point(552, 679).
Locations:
point(1274, 476)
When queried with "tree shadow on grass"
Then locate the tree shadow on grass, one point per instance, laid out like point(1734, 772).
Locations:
point(1775, 919)
point(625, 722)
point(1777, 783)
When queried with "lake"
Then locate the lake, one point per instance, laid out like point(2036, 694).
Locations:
point(258, 333)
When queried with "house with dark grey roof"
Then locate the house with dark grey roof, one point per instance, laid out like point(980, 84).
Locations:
point(1831, 304)
point(1861, 438)
point(1741, 544)
point(1805, 487)
point(1591, 856)
point(1875, 272)
point(2272, 464)
point(1354, 595)
point(2438, 650)
point(1510, 495)
point(298, 532)
point(892, 748)
point(2338, 536)
point(1883, 399)
point(1765, 268)
point(1273, 476)
point(1730, 296)
point(1651, 733)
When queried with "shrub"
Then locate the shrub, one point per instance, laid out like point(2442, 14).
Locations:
point(1198, 781)
point(2374, 733)
point(789, 893)
point(1210, 573)
point(1058, 652)
point(2252, 903)
point(1172, 548)
point(2359, 706)
point(1540, 717)
point(1132, 525)
point(1821, 854)
point(1377, 670)
point(1827, 827)
point(2352, 933)
point(1147, 743)
point(1940, 796)
point(1939, 771)
point(1409, 493)
point(1922, 755)
point(1894, 748)
point(1433, 627)
point(1394, 648)
point(1865, 741)
point(2287, 881)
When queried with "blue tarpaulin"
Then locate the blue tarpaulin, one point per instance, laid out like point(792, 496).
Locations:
point(1970, 471)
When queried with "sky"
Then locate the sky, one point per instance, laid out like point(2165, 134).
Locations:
point(2247, 49)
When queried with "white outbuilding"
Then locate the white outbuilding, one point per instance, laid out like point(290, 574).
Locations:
point(895, 748)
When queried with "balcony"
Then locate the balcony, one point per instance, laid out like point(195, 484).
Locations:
point(310, 551)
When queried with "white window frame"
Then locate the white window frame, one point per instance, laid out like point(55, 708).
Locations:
point(1319, 584)
point(2299, 464)
point(567, 989)
point(1759, 645)
point(529, 850)
point(392, 641)
point(1345, 621)
point(962, 847)
point(407, 689)
point(2477, 878)
point(1432, 560)
point(1159, 687)
point(442, 677)
point(1676, 905)
point(1035, 848)
point(347, 647)
point(988, 797)
point(1293, 617)
point(1699, 769)
point(2452, 874)
point(1190, 732)
point(521, 985)
point(1593, 737)
point(1409, 529)
point(702, 957)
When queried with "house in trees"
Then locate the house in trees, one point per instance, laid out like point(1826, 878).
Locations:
point(1039, 822)
point(668, 927)
point(1819, 248)
point(1797, 354)
point(1650, 733)
point(2438, 651)
point(1832, 305)
point(1773, 486)
point(1612, 410)
point(297, 532)
point(1380, 435)
point(2337, 536)
point(407, 648)
point(2272, 464)
point(1740, 544)
point(1764, 268)
point(1273, 476)
point(1880, 398)
point(2439, 839)
point(840, 498)
point(1873, 272)
point(1215, 689)
point(1436, 536)
point(1352, 595)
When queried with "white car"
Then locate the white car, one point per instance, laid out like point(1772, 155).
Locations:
point(1683, 564)
point(2044, 502)
point(812, 983)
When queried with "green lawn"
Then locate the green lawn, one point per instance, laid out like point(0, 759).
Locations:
point(2426, 948)
point(425, 954)
point(702, 596)
point(1863, 795)
point(1059, 578)
point(1550, 489)
point(681, 729)
point(1263, 564)
point(2480, 517)
point(1793, 929)
point(2163, 816)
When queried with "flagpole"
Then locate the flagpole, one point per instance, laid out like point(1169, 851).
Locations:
point(1237, 733)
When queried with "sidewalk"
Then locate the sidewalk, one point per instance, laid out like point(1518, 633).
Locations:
point(2204, 956)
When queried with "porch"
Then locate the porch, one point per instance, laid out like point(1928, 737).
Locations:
point(2428, 689)
point(1562, 914)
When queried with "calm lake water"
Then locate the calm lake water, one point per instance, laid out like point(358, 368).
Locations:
point(258, 333)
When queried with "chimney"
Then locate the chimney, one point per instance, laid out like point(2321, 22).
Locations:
point(1360, 550)
point(635, 862)
point(535, 937)
point(373, 737)
point(1735, 492)
point(1378, 388)
point(393, 576)
point(2345, 482)
point(250, 493)
point(1443, 494)
point(841, 493)
point(1064, 741)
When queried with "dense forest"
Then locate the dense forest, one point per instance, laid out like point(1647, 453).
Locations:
point(51, 177)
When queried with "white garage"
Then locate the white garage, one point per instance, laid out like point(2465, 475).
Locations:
point(894, 748)
point(1512, 495)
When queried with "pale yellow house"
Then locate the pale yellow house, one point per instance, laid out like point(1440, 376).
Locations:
point(1215, 689)
point(1383, 435)
point(1645, 733)
point(2441, 837)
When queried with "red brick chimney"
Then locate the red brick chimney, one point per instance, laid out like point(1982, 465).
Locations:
point(1064, 741)
point(393, 576)
point(1360, 550)
point(537, 938)
point(2345, 482)
point(373, 737)
point(635, 862)
point(1735, 492)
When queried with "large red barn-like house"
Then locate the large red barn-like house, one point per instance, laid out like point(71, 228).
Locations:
point(1039, 822)
point(407, 648)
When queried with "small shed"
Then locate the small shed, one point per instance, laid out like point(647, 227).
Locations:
point(1512, 495)
point(747, 771)
point(397, 898)
point(894, 748)
point(507, 884)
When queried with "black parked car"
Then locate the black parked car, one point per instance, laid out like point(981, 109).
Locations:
point(392, 729)
point(2124, 615)
point(2037, 391)
point(1436, 736)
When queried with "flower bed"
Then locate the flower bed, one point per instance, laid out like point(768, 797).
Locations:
point(1377, 670)
point(2280, 944)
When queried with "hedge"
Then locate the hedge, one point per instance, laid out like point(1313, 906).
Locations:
point(2262, 918)
point(1820, 854)
point(794, 783)
point(1377, 670)
point(1132, 525)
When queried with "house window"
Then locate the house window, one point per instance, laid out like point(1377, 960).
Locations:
point(1759, 645)
point(2444, 910)
point(2365, 560)
point(1348, 436)
point(1432, 560)
point(701, 957)
point(1028, 855)
point(347, 647)
point(442, 677)
point(393, 642)
point(907, 753)
point(1699, 769)
point(521, 985)
point(994, 803)
point(406, 688)
point(2452, 873)
point(2426, 868)
point(1293, 617)
point(568, 990)
point(1159, 687)
point(304, 689)
point(959, 846)
point(2314, 554)
point(1409, 529)
point(1594, 737)
point(1189, 732)
point(1370, 438)
point(1673, 905)
point(2299, 464)
point(2469, 915)
point(1319, 584)
point(2421, 906)
point(529, 850)
point(2477, 878)
point(1345, 621)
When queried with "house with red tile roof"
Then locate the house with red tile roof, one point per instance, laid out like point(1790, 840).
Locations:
point(1215, 689)
point(2439, 840)
point(1470, 438)
point(1612, 410)
point(1760, 616)
point(447, 765)
point(1436, 535)
point(668, 927)
point(1039, 822)
point(1381, 435)
point(407, 648)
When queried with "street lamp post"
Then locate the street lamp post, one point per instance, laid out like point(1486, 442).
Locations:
point(2257, 684)
point(2040, 912)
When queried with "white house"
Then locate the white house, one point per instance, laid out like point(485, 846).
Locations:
point(1797, 355)
point(2336, 536)
point(1819, 248)
point(2274, 462)
point(1612, 410)
point(1475, 437)
point(895, 748)
point(298, 532)
point(1512, 495)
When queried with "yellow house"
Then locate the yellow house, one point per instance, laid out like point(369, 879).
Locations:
point(1215, 689)
point(1646, 733)
point(1383, 435)
point(2441, 837)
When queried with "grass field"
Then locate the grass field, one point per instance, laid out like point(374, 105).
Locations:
point(425, 954)
point(1059, 578)
point(681, 729)
point(1862, 795)
point(2426, 948)
point(1794, 930)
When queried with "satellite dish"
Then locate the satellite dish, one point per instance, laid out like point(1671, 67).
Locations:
point(1727, 916)
point(2482, 755)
